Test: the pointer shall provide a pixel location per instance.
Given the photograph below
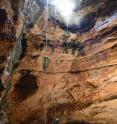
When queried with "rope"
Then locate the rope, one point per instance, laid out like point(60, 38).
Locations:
point(46, 47)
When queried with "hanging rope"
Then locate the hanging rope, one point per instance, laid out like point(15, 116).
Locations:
point(46, 47)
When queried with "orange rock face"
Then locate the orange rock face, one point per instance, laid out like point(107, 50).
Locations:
point(77, 84)
point(75, 87)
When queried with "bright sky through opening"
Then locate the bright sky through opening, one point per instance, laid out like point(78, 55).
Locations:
point(65, 8)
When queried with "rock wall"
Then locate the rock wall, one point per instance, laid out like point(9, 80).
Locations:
point(7, 35)
point(73, 78)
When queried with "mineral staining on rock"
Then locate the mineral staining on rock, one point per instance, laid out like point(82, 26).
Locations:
point(73, 70)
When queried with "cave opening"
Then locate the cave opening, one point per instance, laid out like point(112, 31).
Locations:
point(86, 24)
point(75, 62)
point(26, 86)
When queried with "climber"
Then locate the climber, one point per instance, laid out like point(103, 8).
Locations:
point(56, 121)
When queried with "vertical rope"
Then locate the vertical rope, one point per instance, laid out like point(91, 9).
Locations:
point(46, 47)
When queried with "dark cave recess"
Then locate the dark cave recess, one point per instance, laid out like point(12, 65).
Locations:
point(26, 86)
